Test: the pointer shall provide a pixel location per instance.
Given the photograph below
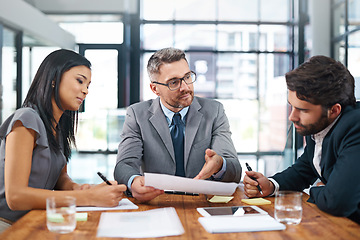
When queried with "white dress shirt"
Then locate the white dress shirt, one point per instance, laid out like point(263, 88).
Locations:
point(318, 138)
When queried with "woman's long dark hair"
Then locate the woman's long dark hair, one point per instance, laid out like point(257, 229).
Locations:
point(46, 84)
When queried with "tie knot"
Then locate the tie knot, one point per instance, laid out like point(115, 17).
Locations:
point(176, 120)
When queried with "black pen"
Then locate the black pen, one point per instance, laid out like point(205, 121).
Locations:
point(258, 186)
point(181, 193)
point(104, 178)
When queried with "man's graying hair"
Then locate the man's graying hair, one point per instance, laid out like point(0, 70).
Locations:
point(322, 81)
point(165, 55)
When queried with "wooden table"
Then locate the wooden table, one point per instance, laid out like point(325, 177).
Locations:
point(315, 224)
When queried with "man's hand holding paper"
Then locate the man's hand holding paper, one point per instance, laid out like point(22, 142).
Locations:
point(142, 192)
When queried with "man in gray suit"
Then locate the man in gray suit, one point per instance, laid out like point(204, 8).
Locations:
point(147, 145)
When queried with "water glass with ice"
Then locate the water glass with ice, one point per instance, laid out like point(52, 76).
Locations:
point(288, 208)
point(61, 214)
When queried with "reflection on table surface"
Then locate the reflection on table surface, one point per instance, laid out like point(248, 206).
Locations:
point(315, 223)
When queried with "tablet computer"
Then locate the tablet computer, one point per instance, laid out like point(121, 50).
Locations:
point(231, 211)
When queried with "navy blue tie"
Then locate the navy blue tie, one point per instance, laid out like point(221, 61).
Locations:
point(177, 135)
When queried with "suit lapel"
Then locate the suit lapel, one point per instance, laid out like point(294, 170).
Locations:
point(193, 120)
point(158, 120)
point(310, 144)
point(323, 164)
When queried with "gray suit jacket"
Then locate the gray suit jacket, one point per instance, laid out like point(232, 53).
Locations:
point(146, 144)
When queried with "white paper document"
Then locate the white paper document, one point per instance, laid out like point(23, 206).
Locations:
point(175, 183)
point(230, 224)
point(158, 222)
point(123, 204)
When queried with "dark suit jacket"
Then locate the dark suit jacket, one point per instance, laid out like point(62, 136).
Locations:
point(146, 144)
point(340, 168)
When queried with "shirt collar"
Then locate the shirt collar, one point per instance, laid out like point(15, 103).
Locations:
point(169, 114)
point(322, 133)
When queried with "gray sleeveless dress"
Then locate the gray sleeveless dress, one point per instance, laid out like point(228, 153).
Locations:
point(46, 165)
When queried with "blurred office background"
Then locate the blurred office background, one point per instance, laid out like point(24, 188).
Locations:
point(240, 50)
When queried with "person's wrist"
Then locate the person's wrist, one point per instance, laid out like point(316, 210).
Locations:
point(221, 164)
point(75, 186)
point(272, 187)
point(87, 197)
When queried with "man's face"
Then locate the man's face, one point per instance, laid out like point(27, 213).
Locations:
point(307, 118)
point(179, 98)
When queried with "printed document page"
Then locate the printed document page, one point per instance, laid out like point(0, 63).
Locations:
point(175, 183)
point(158, 222)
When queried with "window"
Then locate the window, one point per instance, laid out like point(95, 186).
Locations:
point(8, 73)
point(346, 37)
point(240, 51)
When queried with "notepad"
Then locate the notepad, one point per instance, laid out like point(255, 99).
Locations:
point(256, 201)
point(58, 217)
point(123, 204)
point(55, 217)
point(80, 217)
point(220, 199)
point(240, 224)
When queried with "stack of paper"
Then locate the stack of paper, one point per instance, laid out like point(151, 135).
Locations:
point(240, 224)
point(147, 224)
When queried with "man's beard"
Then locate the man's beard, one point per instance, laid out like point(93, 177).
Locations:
point(314, 128)
point(177, 104)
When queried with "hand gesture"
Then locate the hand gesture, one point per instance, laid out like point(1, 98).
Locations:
point(213, 164)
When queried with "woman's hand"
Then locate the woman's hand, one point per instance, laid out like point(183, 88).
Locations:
point(103, 195)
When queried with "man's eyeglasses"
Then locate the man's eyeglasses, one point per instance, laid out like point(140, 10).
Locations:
point(175, 83)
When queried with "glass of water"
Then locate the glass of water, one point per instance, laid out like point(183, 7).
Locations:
point(288, 207)
point(61, 214)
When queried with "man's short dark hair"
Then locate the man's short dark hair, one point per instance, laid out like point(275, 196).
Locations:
point(165, 55)
point(322, 81)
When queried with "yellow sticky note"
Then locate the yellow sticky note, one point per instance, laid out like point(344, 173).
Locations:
point(55, 217)
point(220, 199)
point(256, 201)
point(81, 216)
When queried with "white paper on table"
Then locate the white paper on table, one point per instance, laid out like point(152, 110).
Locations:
point(175, 183)
point(158, 222)
point(229, 224)
point(123, 204)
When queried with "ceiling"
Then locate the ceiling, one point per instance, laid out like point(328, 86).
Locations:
point(84, 6)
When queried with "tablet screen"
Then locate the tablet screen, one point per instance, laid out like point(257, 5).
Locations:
point(231, 210)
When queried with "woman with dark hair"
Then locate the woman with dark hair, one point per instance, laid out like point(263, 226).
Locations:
point(36, 142)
